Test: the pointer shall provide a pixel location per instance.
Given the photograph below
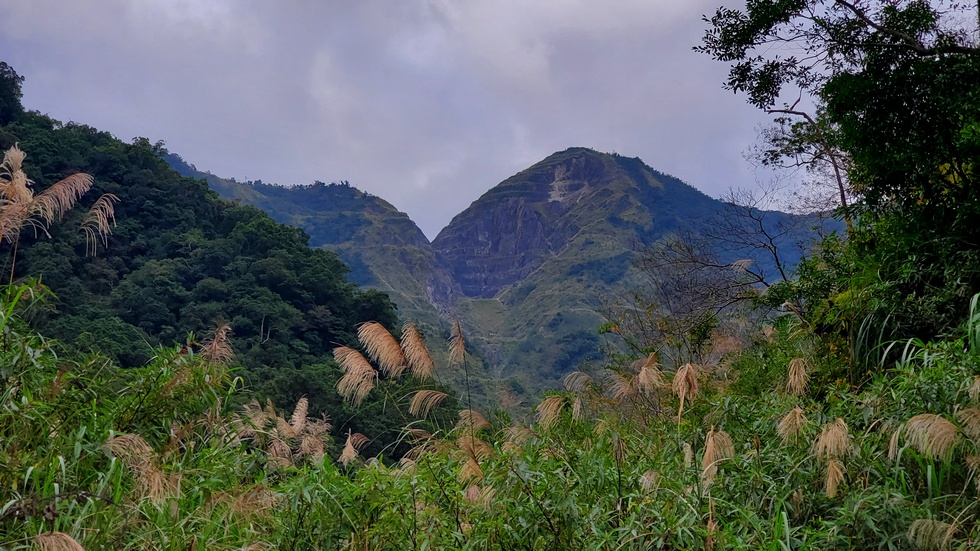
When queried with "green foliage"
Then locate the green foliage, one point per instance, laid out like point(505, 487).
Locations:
point(10, 94)
point(180, 261)
point(896, 107)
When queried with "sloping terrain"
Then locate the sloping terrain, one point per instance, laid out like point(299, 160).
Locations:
point(526, 267)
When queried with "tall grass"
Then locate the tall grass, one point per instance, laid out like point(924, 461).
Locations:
point(153, 459)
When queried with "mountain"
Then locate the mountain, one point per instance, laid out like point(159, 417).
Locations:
point(178, 263)
point(536, 255)
point(526, 267)
point(383, 246)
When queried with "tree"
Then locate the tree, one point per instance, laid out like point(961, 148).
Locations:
point(894, 88)
point(10, 93)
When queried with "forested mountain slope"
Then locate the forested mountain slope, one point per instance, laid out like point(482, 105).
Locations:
point(530, 268)
point(181, 261)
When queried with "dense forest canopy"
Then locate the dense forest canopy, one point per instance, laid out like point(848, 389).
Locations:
point(178, 263)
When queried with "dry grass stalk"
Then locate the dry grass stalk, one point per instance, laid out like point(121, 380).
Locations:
point(797, 379)
point(355, 441)
point(622, 386)
point(382, 348)
point(685, 385)
point(98, 221)
point(424, 401)
point(834, 441)
point(406, 465)
point(416, 354)
point(577, 408)
point(791, 424)
point(932, 435)
point(479, 497)
point(516, 436)
point(57, 541)
point(549, 410)
point(130, 448)
point(141, 460)
point(471, 472)
point(359, 377)
point(19, 206)
point(255, 413)
point(969, 419)
point(417, 434)
point(297, 422)
point(650, 379)
point(256, 501)
point(577, 382)
point(283, 430)
point(973, 465)
point(929, 534)
point(688, 455)
point(835, 475)
point(893, 443)
point(472, 421)
point(279, 449)
point(718, 446)
point(311, 446)
point(318, 427)
point(217, 349)
point(457, 345)
point(974, 390)
point(650, 480)
point(474, 447)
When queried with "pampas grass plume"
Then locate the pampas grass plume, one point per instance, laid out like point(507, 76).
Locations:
point(57, 541)
point(834, 441)
point(549, 410)
point(359, 375)
point(685, 385)
point(423, 401)
point(797, 379)
point(382, 348)
point(718, 446)
point(929, 534)
point(416, 353)
point(791, 424)
point(932, 435)
point(835, 475)
point(457, 345)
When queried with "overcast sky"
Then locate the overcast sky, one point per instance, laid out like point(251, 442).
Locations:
point(426, 103)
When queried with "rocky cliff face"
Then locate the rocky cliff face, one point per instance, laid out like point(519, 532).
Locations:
point(525, 268)
point(533, 217)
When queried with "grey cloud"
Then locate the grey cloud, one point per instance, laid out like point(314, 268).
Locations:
point(427, 103)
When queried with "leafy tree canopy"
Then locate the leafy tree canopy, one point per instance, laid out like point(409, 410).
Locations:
point(181, 261)
point(894, 88)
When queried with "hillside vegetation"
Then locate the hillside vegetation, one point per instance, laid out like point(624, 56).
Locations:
point(847, 416)
point(534, 266)
point(179, 263)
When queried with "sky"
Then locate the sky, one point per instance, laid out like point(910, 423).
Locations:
point(425, 103)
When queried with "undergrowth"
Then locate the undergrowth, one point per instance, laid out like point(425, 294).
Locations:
point(775, 456)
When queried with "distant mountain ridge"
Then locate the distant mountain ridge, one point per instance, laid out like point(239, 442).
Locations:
point(523, 267)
